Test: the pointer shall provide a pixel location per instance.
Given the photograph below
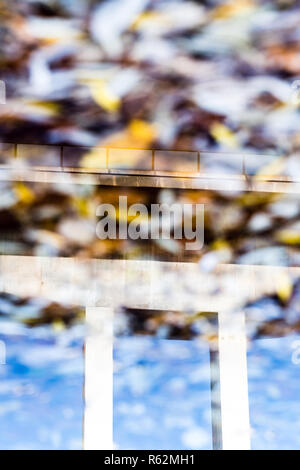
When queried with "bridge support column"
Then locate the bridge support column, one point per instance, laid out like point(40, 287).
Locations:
point(98, 419)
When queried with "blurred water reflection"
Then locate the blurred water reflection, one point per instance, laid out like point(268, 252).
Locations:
point(274, 391)
point(161, 392)
point(41, 388)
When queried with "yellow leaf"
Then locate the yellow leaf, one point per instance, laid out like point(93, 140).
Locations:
point(84, 206)
point(41, 107)
point(284, 288)
point(251, 199)
point(233, 8)
point(139, 134)
point(289, 237)
point(142, 130)
point(223, 135)
point(144, 18)
point(272, 169)
point(96, 158)
point(220, 245)
point(58, 326)
point(24, 193)
point(103, 96)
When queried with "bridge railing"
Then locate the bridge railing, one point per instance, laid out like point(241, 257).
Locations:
point(150, 161)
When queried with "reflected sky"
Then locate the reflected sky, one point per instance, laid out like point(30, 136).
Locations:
point(161, 392)
point(41, 400)
point(274, 391)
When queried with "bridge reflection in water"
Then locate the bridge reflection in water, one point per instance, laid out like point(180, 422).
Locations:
point(103, 287)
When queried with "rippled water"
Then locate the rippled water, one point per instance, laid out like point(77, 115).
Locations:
point(274, 393)
point(161, 392)
point(41, 399)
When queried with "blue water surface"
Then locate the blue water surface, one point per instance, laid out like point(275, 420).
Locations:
point(274, 393)
point(162, 394)
point(161, 391)
point(41, 389)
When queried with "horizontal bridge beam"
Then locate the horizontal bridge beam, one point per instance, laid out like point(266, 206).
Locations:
point(151, 179)
point(139, 284)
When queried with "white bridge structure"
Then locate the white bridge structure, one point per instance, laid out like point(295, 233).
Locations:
point(103, 286)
